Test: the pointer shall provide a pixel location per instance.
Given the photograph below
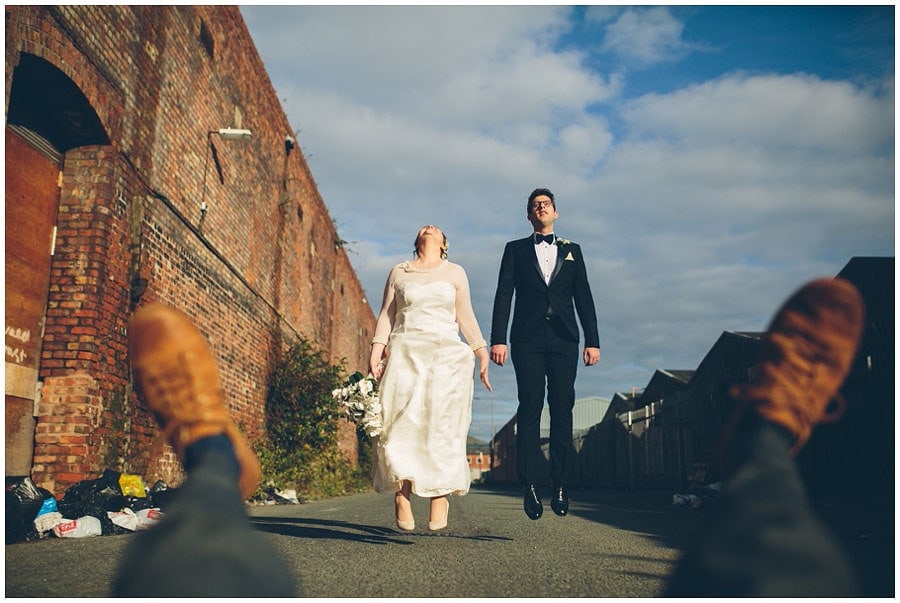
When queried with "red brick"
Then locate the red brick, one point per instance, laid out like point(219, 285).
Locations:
point(251, 282)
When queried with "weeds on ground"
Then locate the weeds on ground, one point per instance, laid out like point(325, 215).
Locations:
point(300, 451)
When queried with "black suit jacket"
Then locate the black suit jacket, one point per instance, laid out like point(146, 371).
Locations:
point(567, 293)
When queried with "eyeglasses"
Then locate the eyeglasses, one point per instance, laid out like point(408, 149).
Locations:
point(541, 204)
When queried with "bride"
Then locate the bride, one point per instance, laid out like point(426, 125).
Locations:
point(425, 380)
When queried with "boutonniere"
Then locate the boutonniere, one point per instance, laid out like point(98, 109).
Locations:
point(569, 257)
point(561, 242)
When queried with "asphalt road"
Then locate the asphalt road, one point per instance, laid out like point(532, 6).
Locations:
point(613, 544)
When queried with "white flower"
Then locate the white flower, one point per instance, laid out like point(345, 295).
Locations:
point(561, 242)
point(359, 398)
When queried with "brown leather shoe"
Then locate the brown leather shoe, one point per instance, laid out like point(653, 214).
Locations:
point(175, 373)
point(805, 357)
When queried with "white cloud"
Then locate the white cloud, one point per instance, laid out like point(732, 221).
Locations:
point(782, 111)
point(709, 205)
point(704, 223)
point(644, 36)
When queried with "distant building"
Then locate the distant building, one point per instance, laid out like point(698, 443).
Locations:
point(478, 454)
point(663, 435)
point(586, 412)
point(856, 455)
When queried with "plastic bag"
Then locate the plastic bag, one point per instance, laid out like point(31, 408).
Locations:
point(132, 485)
point(286, 497)
point(23, 501)
point(94, 498)
point(49, 505)
point(90, 495)
point(150, 517)
point(136, 504)
point(78, 528)
point(47, 521)
point(691, 500)
point(135, 521)
point(162, 495)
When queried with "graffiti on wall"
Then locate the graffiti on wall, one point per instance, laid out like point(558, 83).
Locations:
point(15, 350)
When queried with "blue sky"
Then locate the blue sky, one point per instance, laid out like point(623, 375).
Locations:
point(838, 42)
point(708, 159)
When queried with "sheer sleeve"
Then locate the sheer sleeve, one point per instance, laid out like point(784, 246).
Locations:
point(385, 322)
point(465, 315)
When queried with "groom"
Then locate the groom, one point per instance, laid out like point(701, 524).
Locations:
point(549, 279)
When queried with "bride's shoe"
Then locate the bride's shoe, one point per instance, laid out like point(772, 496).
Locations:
point(441, 522)
point(403, 524)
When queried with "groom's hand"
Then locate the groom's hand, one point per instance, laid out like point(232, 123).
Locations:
point(498, 353)
point(591, 356)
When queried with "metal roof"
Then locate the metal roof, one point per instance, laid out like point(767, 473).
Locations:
point(586, 413)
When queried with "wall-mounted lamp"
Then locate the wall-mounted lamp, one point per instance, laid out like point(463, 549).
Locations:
point(233, 133)
point(224, 134)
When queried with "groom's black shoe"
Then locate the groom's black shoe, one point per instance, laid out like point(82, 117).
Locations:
point(533, 507)
point(560, 501)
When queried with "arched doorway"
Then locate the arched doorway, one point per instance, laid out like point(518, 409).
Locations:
point(47, 116)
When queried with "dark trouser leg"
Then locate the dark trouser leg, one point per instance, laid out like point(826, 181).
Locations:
point(562, 366)
point(763, 539)
point(205, 545)
point(529, 362)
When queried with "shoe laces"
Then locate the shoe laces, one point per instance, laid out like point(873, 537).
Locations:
point(804, 375)
point(801, 372)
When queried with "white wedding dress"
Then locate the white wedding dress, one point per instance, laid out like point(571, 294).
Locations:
point(427, 386)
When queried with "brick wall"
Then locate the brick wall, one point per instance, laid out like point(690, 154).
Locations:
point(261, 267)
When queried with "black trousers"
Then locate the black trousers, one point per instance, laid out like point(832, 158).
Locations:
point(763, 539)
point(205, 545)
point(548, 362)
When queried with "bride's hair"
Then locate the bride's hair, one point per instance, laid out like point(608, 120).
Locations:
point(444, 248)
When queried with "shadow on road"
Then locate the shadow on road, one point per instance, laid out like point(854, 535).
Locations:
point(299, 527)
point(863, 528)
point(648, 512)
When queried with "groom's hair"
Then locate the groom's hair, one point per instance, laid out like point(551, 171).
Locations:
point(537, 193)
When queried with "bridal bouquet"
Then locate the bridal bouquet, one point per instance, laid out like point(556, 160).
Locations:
point(359, 397)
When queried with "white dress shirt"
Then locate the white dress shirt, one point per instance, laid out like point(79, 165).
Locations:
point(546, 255)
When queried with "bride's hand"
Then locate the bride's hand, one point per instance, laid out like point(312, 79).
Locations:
point(377, 360)
point(483, 366)
point(377, 370)
point(483, 373)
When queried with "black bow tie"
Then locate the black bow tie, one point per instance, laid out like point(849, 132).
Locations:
point(538, 237)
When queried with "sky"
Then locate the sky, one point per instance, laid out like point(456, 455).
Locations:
point(708, 159)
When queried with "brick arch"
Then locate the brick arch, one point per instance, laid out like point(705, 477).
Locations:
point(44, 100)
point(41, 38)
